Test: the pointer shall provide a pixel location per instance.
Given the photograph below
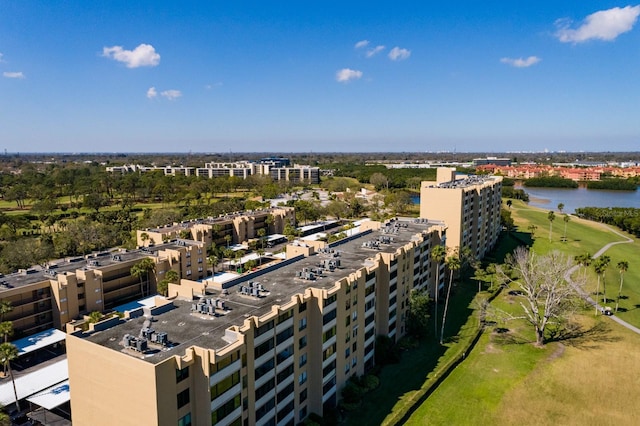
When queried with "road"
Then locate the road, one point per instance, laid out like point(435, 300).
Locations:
point(586, 296)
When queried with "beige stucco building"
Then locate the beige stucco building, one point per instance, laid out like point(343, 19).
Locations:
point(269, 351)
point(65, 289)
point(470, 207)
point(239, 227)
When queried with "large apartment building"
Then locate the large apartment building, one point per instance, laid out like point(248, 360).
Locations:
point(52, 295)
point(267, 352)
point(470, 207)
point(240, 227)
point(279, 169)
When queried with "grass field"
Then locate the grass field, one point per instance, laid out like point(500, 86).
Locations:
point(586, 236)
point(592, 378)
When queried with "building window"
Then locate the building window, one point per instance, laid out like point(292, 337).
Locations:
point(182, 374)
point(183, 398)
point(303, 323)
point(302, 342)
point(302, 378)
point(185, 421)
point(303, 359)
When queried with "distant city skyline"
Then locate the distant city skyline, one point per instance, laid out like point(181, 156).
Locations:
point(247, 76)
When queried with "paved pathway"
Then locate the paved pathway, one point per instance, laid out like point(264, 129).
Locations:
point(586, 296)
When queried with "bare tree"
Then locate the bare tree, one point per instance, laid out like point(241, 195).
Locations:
point(548, 298)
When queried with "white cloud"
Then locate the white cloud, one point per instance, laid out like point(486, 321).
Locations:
point(374, 51)
point(361, 43)
point(398, 54)
point(213, 86)
point(521, 62)
point(9, 74)
point(144, 55)
point(602, 25)
point(345, 75)
point(152, 93)
point(171, 94)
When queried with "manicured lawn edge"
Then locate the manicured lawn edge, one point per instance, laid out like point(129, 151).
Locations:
point(448, 362)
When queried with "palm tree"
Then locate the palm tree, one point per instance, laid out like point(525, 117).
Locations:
point(606, 260)
point(144, 237)
point(453, 264)
point(228, 253)
point(560, 207)
point(262, 233)
point(532, 229)
point(141, 269)
point(438, 254)
point(5, 308)
point(213, 260)
point(600, 266)
point(172, 276)
point(6, 330)
point(260, 252)
point(551, 216)
point(227, 238)
point(566, 218)
point(623, 266)
point(8, 352)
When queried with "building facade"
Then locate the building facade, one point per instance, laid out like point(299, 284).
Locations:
point(65, 289)
point(470, 207)
point(234, 228)
point(270, 352)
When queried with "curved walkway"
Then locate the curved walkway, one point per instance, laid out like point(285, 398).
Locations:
point(586, 296)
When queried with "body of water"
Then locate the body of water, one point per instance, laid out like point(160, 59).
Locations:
point(549, 198)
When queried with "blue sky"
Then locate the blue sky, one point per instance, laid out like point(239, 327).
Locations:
point(300, 76)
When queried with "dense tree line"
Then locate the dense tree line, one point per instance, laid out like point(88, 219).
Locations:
point(395, 178)
point(614, 184)
point(625, 218)
point(516, 194)
point(550, 182)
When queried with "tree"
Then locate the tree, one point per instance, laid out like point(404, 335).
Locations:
point(227, 238)
point(584, 260)
point(260, 252)
point(453, 263)
point(600, 266)
point(379, 180)
point(560, 207)
point(509, 204)
point(144, 237)
point(623, 266)
point(551, 216)
point(262, 233)
point(8, 352)
point(549, 299)
point(5, 308)
point(566, 218)
point(94, 317)
point(438, 254)
point(213, 260)
point(141, 269)
point(6, 330)
point(172, 276)
point(418, 314)
point(532, 229)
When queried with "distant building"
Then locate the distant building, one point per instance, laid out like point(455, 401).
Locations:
point(491, 160)
point(279, 169)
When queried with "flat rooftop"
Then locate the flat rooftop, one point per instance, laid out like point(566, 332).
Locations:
point(187, 224)
point(185, 328)
point(97, 260)
point(466, 182)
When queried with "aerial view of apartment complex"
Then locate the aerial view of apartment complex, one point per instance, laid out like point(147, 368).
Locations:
point(264, 347)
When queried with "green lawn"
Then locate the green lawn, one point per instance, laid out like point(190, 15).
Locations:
point(590, 379)
point(586, 236)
